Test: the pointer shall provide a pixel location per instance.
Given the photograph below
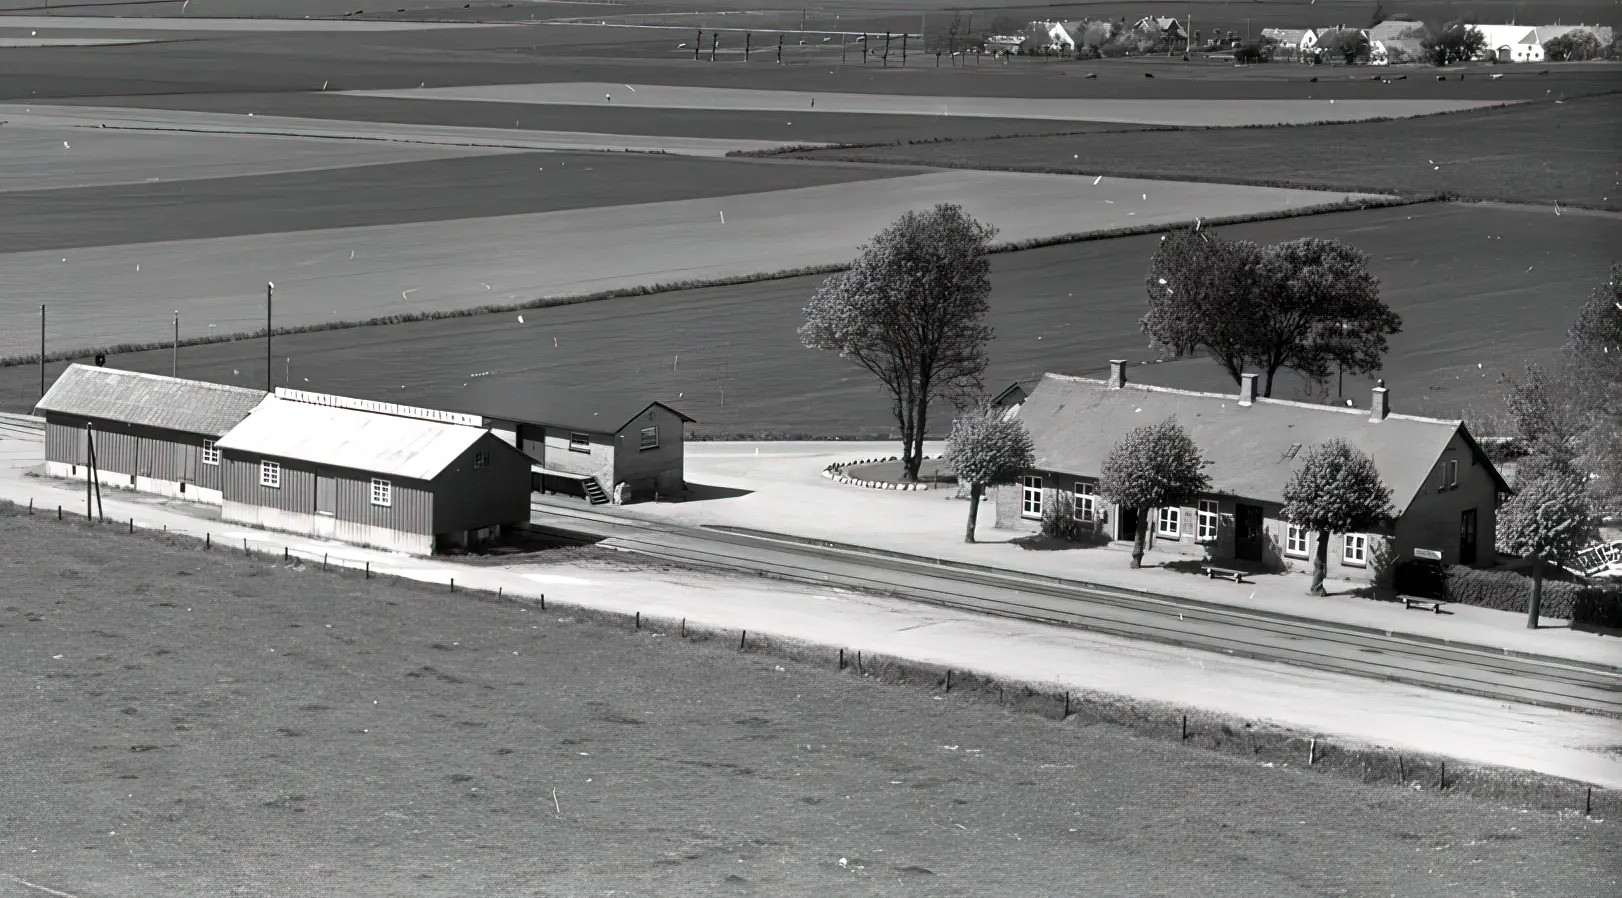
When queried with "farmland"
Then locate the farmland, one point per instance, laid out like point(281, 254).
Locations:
point(1483, 290)
point(192, 723)
point(1535, 153)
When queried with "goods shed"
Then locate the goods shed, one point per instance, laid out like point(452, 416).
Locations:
point(585, 444)
point(371, 473)
point(151, 433)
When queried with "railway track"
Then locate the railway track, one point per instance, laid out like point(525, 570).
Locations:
point(1236, 632)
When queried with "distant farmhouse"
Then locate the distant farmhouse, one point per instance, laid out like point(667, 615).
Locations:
point(371, 473)
point(1510, 43)
point(1291, 42)
point(1444, 489)
point(151, 433)
point(586, 444)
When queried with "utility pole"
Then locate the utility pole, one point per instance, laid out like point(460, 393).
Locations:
point(174, 357)
point(270, 288)
point(42, 350)
point(89, 469)
point(698, 43)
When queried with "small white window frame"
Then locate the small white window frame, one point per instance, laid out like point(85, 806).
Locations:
point(1030, 496)
point(642, 438)
point(579, 442)
point(211, 453)
point(382, 493)
point(481, 460)
point(270, 474)
point(1452, 473)
point(1205, 522)
point(1295, 534)
point(1086, 503)
point(1169, 522)
point(1354, 549)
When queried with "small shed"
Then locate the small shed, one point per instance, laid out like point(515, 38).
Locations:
point(585, 444)
point(375, 474)
point(151, 433)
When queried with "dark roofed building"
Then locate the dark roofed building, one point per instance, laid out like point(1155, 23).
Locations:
point(151, 433)
point(585, 443)
point(1444, 489)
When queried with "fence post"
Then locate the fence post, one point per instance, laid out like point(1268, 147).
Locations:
point(639, 620)
point(1185, 728)
point(208, 540)
point(286, 555)
point(1312, 752)
point(323, 561)
point(368, 570)
point(742, 638)
point(245, 549)
point(1441, 781)
point(543, 601)
point(841, 659)
point(1066, 701)
point(132, 525)
point(684, 628)
point(1588, 802)
point(453, 584)
point(1402, 771)
point(30, 506)
point(948, 679)
point(59, 512)
point(698, 43)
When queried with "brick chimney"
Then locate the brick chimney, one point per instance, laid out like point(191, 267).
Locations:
point(1381, 407)
point(1117, 373)
point(1247, 389)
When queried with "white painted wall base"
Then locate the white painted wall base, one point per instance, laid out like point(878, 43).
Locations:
point(327, 527)
point(111, 480)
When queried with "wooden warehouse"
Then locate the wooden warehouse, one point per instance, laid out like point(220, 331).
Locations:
point(152, 433)
point(584, 444)
point(372, 473)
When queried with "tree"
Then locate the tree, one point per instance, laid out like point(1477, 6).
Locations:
point(987, 447)
point(1307, 305)
point(1352, 45)
point(1153, 466)
point(1546, 520)
point(1453, 42)
point(911, 310)
point(1337, 489)
point(1572, 47)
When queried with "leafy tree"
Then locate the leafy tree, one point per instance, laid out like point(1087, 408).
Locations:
point(1546, 520)
point(1252, 53)
point(1453, 42)
point(1352, 45)
point(1573, 46)
point(1306, 305)
point(1337, 489)
point(911, 310)
point(987, 447)
point(1152, 466)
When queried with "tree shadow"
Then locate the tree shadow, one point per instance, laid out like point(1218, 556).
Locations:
point(704, 492)
point(1041, 542)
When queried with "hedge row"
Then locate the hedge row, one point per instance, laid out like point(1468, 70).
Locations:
point(1600, 605)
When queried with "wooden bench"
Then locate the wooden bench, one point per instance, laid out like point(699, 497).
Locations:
point(1432, 605)
point(1226, 573)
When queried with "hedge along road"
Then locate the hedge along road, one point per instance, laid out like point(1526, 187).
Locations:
point(730, 357)
point(99, 297)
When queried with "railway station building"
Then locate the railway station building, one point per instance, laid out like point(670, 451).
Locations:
point(1444, 489)
point(151, 433)
point(372, 473)
point(586, 444)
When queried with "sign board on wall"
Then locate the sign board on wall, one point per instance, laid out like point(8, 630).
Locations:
point(1432, 554)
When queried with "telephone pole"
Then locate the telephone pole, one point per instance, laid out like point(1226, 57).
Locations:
point(174, 356)
point(42, 350)
point(270, 287)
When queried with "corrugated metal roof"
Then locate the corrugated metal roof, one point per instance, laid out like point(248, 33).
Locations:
point(347, 438)
point(513, 399)
point(150, 400)
point(1074, 422)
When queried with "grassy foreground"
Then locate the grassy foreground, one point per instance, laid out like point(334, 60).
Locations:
point(1539, 152)
point(190, 723)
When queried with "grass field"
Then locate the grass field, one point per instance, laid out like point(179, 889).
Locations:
point(192, 723)
point(1535, 153)
point(97, 297)
point(432, 191)
point(1457, 274)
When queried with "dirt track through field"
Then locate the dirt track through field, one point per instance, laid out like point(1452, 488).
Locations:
point(1081, 109)
point(188, 724)
point(97, 296)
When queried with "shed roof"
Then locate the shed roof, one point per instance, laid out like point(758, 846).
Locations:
point(150, 400)
point(1252, 450)
point(526, 402)
point(1285, 35)
point(348, 438)
point(1393, 29)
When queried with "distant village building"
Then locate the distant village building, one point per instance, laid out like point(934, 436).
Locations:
point(151, 433)
point(583, 443)
point(1510, 43)
point(1290, 43)
point(1444, 489)
point(370, 473)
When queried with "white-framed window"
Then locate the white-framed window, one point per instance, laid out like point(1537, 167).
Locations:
point(1171, 522)
point(579, 442)
point(1206, 522)
point(1354, 549)
point(1086, 509)
point(382, 492)
point(650, 438)
point(1295, 541)
point(211, 453)
point(1030, 497)
point(481, 459)
point(270, 474)
point(1452, 473)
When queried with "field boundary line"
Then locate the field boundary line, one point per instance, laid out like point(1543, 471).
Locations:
point(1347, 205)
point(46, 889)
